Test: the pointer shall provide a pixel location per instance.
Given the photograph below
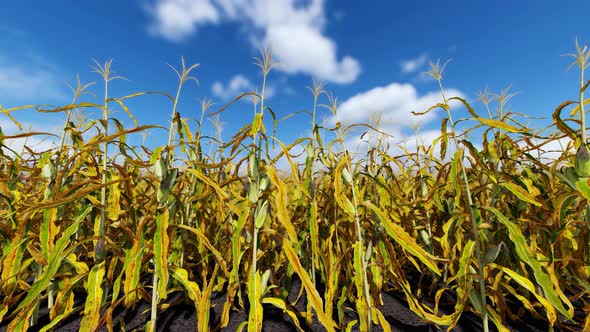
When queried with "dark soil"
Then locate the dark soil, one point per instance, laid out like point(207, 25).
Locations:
point(181, 316)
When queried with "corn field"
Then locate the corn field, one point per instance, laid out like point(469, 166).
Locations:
point(488, 222)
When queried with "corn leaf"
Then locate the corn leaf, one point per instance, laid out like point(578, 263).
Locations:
point(161, 246)
point(404, 239)
point(527, 256)
point(93, 304)
point(312, 294)
point(521, 193)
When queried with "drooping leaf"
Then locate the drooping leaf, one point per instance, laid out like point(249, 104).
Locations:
point(528, 257)
point(404, 239)
point(93, 303)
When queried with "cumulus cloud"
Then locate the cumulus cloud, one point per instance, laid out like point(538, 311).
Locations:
point(393, 103)
point(303, 49)
point(392, 106)
point(236, 86)
point(293, 31)
point(178, 19)
point(413, 65)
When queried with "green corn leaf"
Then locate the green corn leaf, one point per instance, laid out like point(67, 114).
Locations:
point(527, 256)
point(261, 215)
point(54, 261)
point(58, 319)
point(583, 187)
point(444, 141)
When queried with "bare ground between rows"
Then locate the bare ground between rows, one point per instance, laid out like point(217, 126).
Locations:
point(181, 316)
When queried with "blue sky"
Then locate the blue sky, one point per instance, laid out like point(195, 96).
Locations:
point(371, 55)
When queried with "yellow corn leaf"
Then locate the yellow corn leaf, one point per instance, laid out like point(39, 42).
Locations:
point(161, 246)
point(114, 200)
point(339, 190)
point(465, 261)
point(132, 271)
point(312, 294)
point(528, 285)
point(126, 109)
point(500, 125)
point(525, 253)
point(3, 310)
point(205, 304)
point(94, 288)
point(191, 287)
point(576, 109)
point(378, 316)
point(555, 279)
point(220, 192)
point(281, 202)
point(362, 307)
point(80, 267)
point(254, 294)
point(48, 231)
point(520, 192)
point(205, 241)
point(76, 195)
point(351, 324)
point(404, 239)
point(12, 256)
point(257, 125)
point(64, 301)
point(21, 322)
point(234, 275)
point(280, 303)
point(314, 232)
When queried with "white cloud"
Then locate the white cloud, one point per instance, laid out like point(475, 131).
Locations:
point(394, 103)
point(412, 65)
point(236, 86)
point(303, 49)
point(178, 19)
point(293, 31)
